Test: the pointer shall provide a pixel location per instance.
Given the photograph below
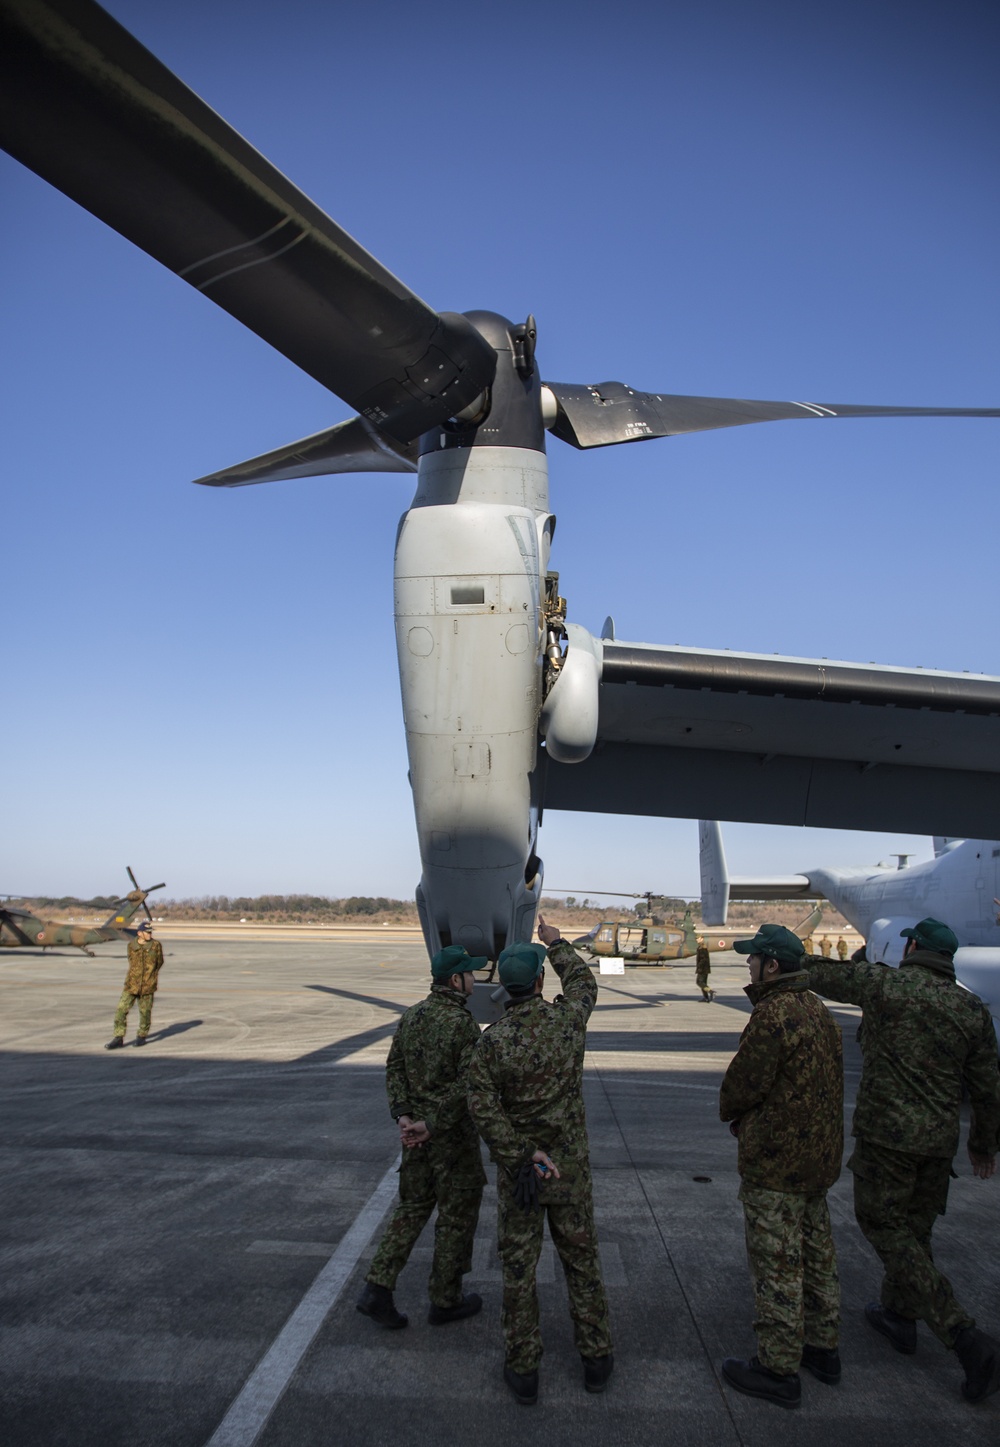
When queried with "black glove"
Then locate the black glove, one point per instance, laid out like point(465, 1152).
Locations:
point(526, 1185)
point(859, 957)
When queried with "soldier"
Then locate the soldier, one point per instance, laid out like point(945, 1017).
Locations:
point(923, 1036)
point(145, 959)
point(441, 1165)
point(526, 1097)
point(784, 1096)
point(842, 948)
point(702, 969)
point(825, 947)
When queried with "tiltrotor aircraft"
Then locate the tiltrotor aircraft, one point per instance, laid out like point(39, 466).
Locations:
point(20, 929)
point(960, 885)
point(510, 707)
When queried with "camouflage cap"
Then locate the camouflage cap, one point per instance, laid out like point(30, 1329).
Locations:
point(775, 941)
point(931, 934)
point(455, 960)
point(520, 964)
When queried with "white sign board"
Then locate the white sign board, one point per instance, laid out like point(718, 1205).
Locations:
point(612, 967)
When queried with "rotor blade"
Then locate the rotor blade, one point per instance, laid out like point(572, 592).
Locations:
point(153, 887)
point(135, 882)
point(146, 908)
point(93, 112)
point(353, 446)
point(610, 412)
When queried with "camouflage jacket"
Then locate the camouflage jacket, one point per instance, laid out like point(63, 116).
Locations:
point(702, 960)
point(785, 1086)
point(428, 1060)
point(923, 1036)
point(144, 961)
point(526, 1079)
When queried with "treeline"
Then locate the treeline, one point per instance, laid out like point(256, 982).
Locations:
point(294, 908)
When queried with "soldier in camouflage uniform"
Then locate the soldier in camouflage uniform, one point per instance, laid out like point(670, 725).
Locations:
point(442, 1165)
point(841, 948)
point(145, 958)
point(784, 1096)
point(702, 969)
point(526, 1097)
point(923, 1036)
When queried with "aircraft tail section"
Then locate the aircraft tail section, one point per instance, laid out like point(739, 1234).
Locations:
point(714, 873)
point(943, 844)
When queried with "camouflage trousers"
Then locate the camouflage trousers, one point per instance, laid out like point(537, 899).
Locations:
point(519, 1240)
point(793, 1267)
point(124, 1006)
point(701, 980)
point(425, 1182)
point(897, 1197)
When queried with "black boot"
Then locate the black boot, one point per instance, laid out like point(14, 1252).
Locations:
point(524, 1385)
point(980, 1357)
point(900, 1330)
point(377, 1302)
point(596, 1372)
point(823, 1362)
point(757, 1381)
point(140, 1040)
point(115, 1043)
point(468, 1306)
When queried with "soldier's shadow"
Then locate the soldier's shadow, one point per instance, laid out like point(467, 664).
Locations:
point(176, 1029)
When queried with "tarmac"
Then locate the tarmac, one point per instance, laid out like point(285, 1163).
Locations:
point(185, 1230)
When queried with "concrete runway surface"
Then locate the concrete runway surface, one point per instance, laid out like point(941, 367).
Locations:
point(184, 1231)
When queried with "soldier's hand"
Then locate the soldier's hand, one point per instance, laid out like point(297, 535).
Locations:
point(983, 1166)
point(734, 1127)
point(859, 957)
point(544, 1166)
point(547, 933)
point(416, 1133)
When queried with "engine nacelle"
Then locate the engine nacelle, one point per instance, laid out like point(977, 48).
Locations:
point(884, 944)
point(977, 967)
point(570, 711)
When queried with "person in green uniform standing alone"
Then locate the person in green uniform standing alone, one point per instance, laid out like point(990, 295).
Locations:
point(145, 960)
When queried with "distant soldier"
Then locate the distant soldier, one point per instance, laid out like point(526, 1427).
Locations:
point(784, 1096)
point(526, 1097)
point(425, 1078)
point(842, 948)
point(807, 944)
point(145, 959)
point(825, 947)
point(923, 1037)
point(703, 968)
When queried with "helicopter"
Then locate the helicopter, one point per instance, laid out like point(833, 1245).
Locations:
point(654, 940)
point(20, 929)
point(510, 707)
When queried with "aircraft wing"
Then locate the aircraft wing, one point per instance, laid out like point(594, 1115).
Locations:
point(714, 734)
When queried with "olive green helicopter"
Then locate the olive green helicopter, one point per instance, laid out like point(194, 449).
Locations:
point(21, 929)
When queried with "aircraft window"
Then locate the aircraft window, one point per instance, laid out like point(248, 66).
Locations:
point(468, 595)
point(605, 935)
point(658, 937)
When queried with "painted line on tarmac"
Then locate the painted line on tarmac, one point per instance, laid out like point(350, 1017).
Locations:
point(248, 1415)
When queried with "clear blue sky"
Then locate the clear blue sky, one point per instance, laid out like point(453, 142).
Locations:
point(764, 200)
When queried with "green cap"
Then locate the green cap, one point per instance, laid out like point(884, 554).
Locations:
point(773, 940)
point(455, 960)
point(931, 934)
point(521, 964)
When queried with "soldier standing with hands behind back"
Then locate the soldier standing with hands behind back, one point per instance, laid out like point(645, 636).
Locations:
point(526, 1097)
point(442, 1165)
point(145, 959)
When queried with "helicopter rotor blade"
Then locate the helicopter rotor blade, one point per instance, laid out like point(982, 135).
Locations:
point(352, 446)
point(135, 882)
point(610, 412)
point(94, 113)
